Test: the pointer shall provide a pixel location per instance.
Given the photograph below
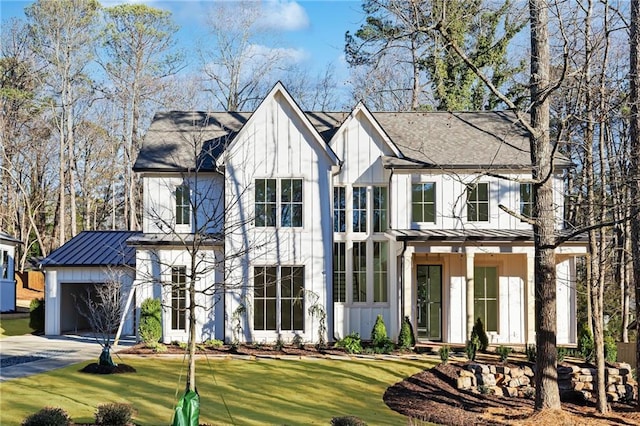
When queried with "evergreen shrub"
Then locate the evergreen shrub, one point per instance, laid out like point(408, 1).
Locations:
point(49, 416)
point(150, 328)
point(36, 315)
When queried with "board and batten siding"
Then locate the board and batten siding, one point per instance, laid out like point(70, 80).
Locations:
point(277, 144)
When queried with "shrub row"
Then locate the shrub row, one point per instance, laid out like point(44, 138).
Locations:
point(112, 414)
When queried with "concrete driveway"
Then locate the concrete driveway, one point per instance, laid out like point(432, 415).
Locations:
point(22, 356)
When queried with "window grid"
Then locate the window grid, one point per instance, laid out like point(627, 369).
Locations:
point(264, 298)
point(278, 307)
point(526, 200)
point(178, 298)
point(183, 205)
point(339, 209)
point(423, 205)
point(339, 272)
point(291, 203)
point(486, 296)
point(359, 209)
point(380, 204)
point(478, 202)
point(359, 271)
point(265, 203)
point(292, 298)
point(380, 271)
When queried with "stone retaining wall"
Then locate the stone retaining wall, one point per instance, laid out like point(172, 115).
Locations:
point(573, 380)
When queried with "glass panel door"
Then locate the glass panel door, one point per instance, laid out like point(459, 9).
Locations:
point(429, 302)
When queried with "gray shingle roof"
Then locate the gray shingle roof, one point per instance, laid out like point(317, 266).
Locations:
point(427, 139)
point(4, 237)
point(94, 248)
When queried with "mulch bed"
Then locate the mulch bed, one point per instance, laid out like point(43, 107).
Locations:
point(95, 368)
point(431, 395)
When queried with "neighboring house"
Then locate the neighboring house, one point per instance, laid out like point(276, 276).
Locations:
point(89, 259)
point(8, 246)
point(359, 213)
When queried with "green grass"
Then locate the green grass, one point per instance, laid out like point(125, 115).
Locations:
point(255, 392)
point(14, 327)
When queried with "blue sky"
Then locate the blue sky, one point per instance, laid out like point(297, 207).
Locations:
point(313, 30)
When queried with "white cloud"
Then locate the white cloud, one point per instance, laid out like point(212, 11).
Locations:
point(287, 54)
point(284, 15)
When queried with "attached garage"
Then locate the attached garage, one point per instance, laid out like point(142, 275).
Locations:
point(74, 273)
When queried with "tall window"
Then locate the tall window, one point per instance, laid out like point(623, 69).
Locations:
point(183, 205)
point(178, 298)
point(360, 271)
point(478, 202)
point(380, 271)
point(339, 272)
point(264, 298)
point(359, 209)
point(339, 209)
point(380, 208)
point(526, 200)
point(278, 307)
point(423, 205)
point(291, 203)
point(265, 199)
point(4, 264)
point(486, 296)
point(291, 298)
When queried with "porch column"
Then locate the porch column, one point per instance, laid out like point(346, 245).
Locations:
point(408, 287)
point(470, 255)
point(530, 301)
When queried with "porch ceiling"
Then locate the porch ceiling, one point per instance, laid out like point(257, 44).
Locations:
point(461, 235)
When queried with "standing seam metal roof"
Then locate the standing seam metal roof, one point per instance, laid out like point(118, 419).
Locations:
point(94, 248)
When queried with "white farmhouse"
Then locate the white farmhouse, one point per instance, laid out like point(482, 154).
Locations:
point(357, 214)
point(279, 215)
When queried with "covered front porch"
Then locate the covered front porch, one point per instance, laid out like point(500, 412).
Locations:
point(451, 278)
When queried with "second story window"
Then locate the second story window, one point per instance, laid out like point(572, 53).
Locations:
point(339, 209)
point(380, 208)
point(423, 205)
point(265, 199)
point(526, 200)
point(478, 202)
point(291, 203)
point(183, 205)
point(359, 209)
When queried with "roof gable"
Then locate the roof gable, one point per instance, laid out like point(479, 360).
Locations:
point(279, 90)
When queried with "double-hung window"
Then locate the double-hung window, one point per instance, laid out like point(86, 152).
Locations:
point(359, 271)
point(278, 299)
point(339, 272)
point(179, 298)
point(380, 204)
point(265, 202)
point(291, 203)
point(339, 209)
point(359, 209)
point(478, 202)
point(485, 295)
point(423, 205)
point(183, 205)
point(526, 200)
point(380, 271)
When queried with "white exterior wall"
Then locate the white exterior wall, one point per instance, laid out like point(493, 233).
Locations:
point(160, 202)
point(55, 277)
point(566, 300)
point(8, 284)
point(153, 280)
point(276, 143)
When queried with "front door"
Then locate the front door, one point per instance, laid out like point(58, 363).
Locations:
point(429, 302)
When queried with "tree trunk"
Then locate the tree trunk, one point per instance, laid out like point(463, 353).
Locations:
point(547, 391)
point(634, 69)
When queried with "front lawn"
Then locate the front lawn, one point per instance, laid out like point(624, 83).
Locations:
point(231, 391)
point(14, 327)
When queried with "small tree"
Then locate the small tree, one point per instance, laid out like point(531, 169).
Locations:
point(379, 332)
point(150, 328)
point(478, 331)
point(36, 314)
point(406, 339)
point(103, 310)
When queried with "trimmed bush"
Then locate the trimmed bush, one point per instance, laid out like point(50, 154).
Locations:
point(585, 342)
point(478, 330)
point(213, 343)
point(504, 352)
point(348, 421)
point(36, 315)
point(351, 343)
point(444, 353)
point(114, 414)
point(406, 339)
point(471, 348)
point(150, 328)
point(49, 416)
point(379, 332)
point(610, 349)
point(532, 353)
